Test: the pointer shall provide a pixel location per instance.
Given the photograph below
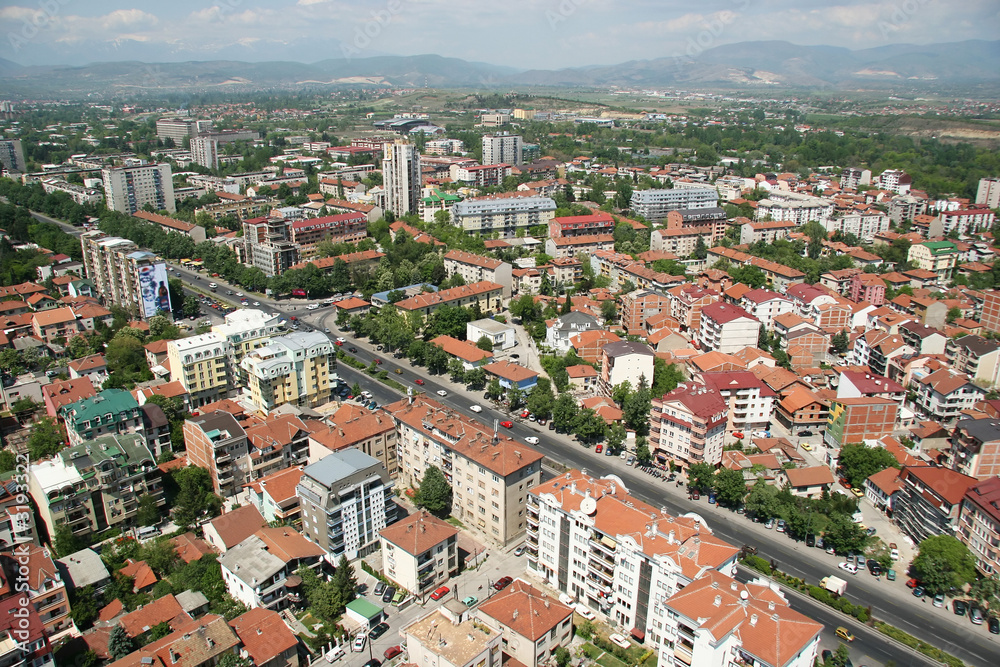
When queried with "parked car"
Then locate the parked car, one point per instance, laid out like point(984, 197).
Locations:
point(893, 551)
point(918, 592)
point(781, 526)
point(913, 583)
point(871, 531)
point(374, 662)
point(994, 625)
point(960, 607)
point(769, 524)
point(552, 426)
point(388, 594)
point(392, 652)
point(584, 611)
point(379, 589)
point(848, 567)
point(939, 600)
point(806, 446)
point(359, 643)
point(599, 449)
point(875, 568)
point(976, 615)
point(619, 640)
point(695, 495)
point(470, 600)
point(519, 551)
point(805, 434)
point(502, 583)
point(378, 631)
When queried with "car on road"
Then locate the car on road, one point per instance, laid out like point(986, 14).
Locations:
point(532, 440)
point(378, 362)
point(502, 583)
point(619, 640)
point(338, 343)
point(352, 350)
point(519, 551)
point(440, 593)
point(805, 434)
point(870, 531)
point(212, 285)
point(470, 600)
point(359, 643)
point(858, 493)
point(939, 600)
point(312, 306)
point(441, 392)
point(845, 634)
point(960, 607)
point(582, 610)
point(848, 567)
point(507, 424)
point(918, 592)
point(476, 408)
point(806, 446)
point(392, 652)
point(419, 381)
point(341, 339)
point(378, 631)
point(257, 304)
point(229, 292)
point(599, 449)
point(379, 589)
point(388, 594)
point(239, 294)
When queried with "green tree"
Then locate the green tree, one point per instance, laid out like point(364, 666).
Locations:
point(148, 513)
point(564, 412)
point(616, 437)
point(541, 400)
point(762, 502)
point(494, 388)
point(476, 378)
point(562, 656)
point(589, 426)
point(636, 411)
point(609, 311)
point(859, 462)
point(953, 314)
point(944, 564)
point(434, 494)
point(233, 660)
point(161, 555)
point(844, 535)
point(119, 643)
point(620, 393)
point(839, 342)
point(701, 476)
point(484, 344)
point(642, 453)
point(77, 347)
point(986, 592)
point(195, 498)
point(730, 487)
point(159, 631)
point(666, 377)
point(46, 439)
point(344, 581)
point(83, 606)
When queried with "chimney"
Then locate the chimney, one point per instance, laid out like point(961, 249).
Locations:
point(718, 601)
point(753, 620)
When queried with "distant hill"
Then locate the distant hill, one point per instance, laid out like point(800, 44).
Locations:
point(753, 64)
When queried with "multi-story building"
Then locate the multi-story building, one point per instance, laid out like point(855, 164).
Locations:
point(930, 500)
point(858, 419)
point(12, 155)
point(768, 232)
point(345, 500)
point(794, 207)
point(401, 178)
point(277, 443)
point(718, 621)
point(178, 129)
point(592, 540)
point(765, 305)
point(199, 363)
point(77, 193)
point(895, 180)
point(490, 475)
point(343, 228)
point(38, 580)
point(708, 223)
point(654, 205)
point(851, 178)
point(489, 296)
point(128, 189)
point(688, 426)
point(205, 151)
point(217, 443)
point(368, 431)
point(419, 552)
point(988, 193)
point(444, 638)
point(863, 224)
point(111, 412)
point(749, 399)
point(937, 256)
point(503, 214)
point(95, 485)
point(867, 287)
point(476, 268)
point(256, 571)
point(173, 225)
point(625, 361)
point(573, 246)
point(559, 331)
point(966, 221)
point(582, 225)
point(124, 275)
point(238, 205)
point(296, 368)
point(976, 356)
point(244, 331)
point(532, 624)
point(274, 495)
point(727, 328)
point(23, 640)
point(480, 175)
point(639, 305)
point(975, 448)
point(979, 524)
point(268, 246)
point(906, 207)
point(503, 148)
point(945, 393)
point(989, 318)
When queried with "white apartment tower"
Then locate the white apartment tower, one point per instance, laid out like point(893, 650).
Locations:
point(128, 189)
point(989, 192)
point(401, 178)
point(503, 148)
point(205, 151)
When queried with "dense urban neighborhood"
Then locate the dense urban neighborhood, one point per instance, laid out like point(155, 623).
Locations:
point(464, 379)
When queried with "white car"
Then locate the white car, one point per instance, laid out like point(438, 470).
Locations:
point(894, 554)
point(476, 408)
point(531, 440)
point(256, 303)
point(312, 306)
point(848, 567)
point(582, 609)
point(359, 643)
point(619, 640)
point(442, 392)
point(341, 340)
point(239, 294)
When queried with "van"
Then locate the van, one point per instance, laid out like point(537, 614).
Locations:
point(147, 532)
point(335, 654)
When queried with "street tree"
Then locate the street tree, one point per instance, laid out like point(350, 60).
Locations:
point(148, 513)
point(944, 564)
point(434, 494)
point(730, 487)
point(494, 388)
point(762, 503)
point(589, 426)
point(616, 435)
point(701, 477)
point(541, 399)
point(564, 413)
point(636, 410)
point(859, 462)
point(642, 453)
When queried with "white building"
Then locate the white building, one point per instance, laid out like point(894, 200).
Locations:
point(419, 552)
point(503, 336)
point(503, 214)
point(794, 207)
point(448, 637)
point(564, 327)
point(246, 330)
point(256, 570)
point(205, 151)
point(199, 363)
point(625, 361)
point(654, 205)
point(727, 328)
point(895, 180)
point(503, 148)
point(128, 189)
point(989, 192)
point(401, 178)
point(765, 305)
point(78, 193)
point(850, 179)
point(476, 268)
point(863, 225)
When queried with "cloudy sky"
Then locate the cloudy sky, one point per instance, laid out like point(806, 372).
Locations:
point(545, 34)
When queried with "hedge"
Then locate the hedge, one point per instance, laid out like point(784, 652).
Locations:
point(927, 649)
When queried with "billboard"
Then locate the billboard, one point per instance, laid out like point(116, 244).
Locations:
point(154, 294)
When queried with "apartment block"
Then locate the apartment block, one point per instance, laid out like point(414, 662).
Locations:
point(125, 275)
point(625, 361)
point(939, 257)
point(12, 155)
point(654, 205)
point(31, 571)
point(402, 178)
point(489, 295)
point(173, 225)
point(274, 495)
point(444, 638)
point(370, 431)
point(851, 178)
point(268, 245)
point(727, 328)
point(573, 246)
point(975, 448)
point(244, 331)
point(707, 222)
point(199, 363)
point(930, 501)
point(503, 148)
point(765, 305)
point(502, 214)
point(480, 175)
point(177, 129)
point(490, 474)
point(895, 180)
point(945, 394)
point(639, 305)
point(476, 268)
point(420, 552)
point(258, 569)
point(593, 541)
point(863, 224)
point(95, 485)
point(342, 228)
point(296, 368)
point(750, 400)
point(77, 193)
point(966, 221)
point(988, 193)
point(768, 232)
point(110, 412)
point(128, 189)
point(217, 443)
point(582, 225)
point(857, 419)
point(793, 207)
point(979, 525)
point(277, 443)
point(346, 499)
point(532, 624)
point(688, 426)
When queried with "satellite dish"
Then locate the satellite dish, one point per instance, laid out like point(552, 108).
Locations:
point(588, 506)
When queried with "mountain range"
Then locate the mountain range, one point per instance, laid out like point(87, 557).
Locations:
point(745, 64)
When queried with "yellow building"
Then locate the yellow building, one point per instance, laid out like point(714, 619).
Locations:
point(245, 330)
point(296, 369)
point(199, 364)
point(937, 256)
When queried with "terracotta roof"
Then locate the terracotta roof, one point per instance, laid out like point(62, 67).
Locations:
point(418, 532)
point(89, 363)
point(948, 484)
point(140, 572)
point(886, 481)
point(352, 424)
point(288, 544)
point(946, 381)
point(428, 299)
point(47, 318)
point(190, 547)
point(594, 336)
point(724, 312)
point(510, 371)
point(464, 350)
point(237, 525)
point(162, 610)
point(111, 610)
point(280, 486)
point(798, 398)
point(470, 258)
point(264, 635)
point(581, 371)
point(65, 392)
point(157, 346)
point(986, 497)
point(351, 303)
point(526, 610)
point(813, 476)
point(191, 644)
point(164, 221)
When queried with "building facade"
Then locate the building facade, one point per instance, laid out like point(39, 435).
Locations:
point(503, 148)
point(199, 363)
point(419, 552)
point(402, 178)
point(128, 189)
point(296, 368)
point(502, 214)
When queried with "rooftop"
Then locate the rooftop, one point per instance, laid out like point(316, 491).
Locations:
point(418, 532)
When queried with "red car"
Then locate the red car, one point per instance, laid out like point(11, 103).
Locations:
point(419, 381)
point(525, 414)
point(599, 449)
point(392, 652)
point(338, 343)
point(378, 361)
point(913, 583)
point(503, 583)
point(440, 593)
point(507, 424)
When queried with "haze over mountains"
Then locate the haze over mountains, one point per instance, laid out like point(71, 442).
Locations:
point(753, 64)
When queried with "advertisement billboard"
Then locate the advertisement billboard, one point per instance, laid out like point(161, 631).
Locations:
point(154, 294)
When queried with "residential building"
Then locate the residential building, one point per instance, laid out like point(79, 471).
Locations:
point(800, 409)
point(988, 193)
point(573, 246)
point(78, 193)
point(501, 335)
point(511, 374)
point(346, 500)
point(197, 643)
point(178, 129)
point(476, 268)
point(793, 207)
point(469, 354)
point(975, 448)
point(925, 339)
point(765, 305)
point(811, 482)
point(172, 225)
point(490, 475)
point(937, 256)
point(654, 205)
point(930, 501)
point(489, 296)
point(23, 640)
point(867, 287)
point(244, 331)
point(199, 363)
point(128, 189)
point(266, 639)
point(276, 443)
point(727, 328)
point(855, 384)
point(945, 393)
point(124, 275)
point(95, 485)
point(59, 394)
point(559, 331)
point(342, 228)
point(717, 621)
point(258, 569)
point(979, 524)
point(12, 155)
point(749, 399)
point(230, 528)
point(30, 569)
point(217, 443)
point(851, 178)
point(532, 624)
point(863, 224)
point(768, 232)
point(894, 180)
point(401, 178)
point(966, 221)
point(267, 245)
point(883, 489)
point(419, 553)
point(503, 148)
point(369, 431)
point(625, 361)
point(274, 495)
point(708, 223)
point(111, 412)
point(989, 318)
point(205, 151)
point(589, 346)
point(600, 222)
point(446, 637)
point(503, 214)
point(296, 368)
point(688, 426)
point(480, 175)
point(857, 419)
point(592, 540)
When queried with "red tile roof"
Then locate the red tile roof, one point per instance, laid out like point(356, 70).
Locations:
point(418, 532)
point(526, 610)
point(264, 635)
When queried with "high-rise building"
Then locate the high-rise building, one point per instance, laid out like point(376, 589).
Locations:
point(654, 205)
point(176, 129)
point(296, 368)
point(401, 178)
point(989, 192)
point(124, 275)
point(205, 151)
point(268, 245)
point(11, 155)
point(199, 364)
point(245, 330)
point(128, 189)
point(503, 148)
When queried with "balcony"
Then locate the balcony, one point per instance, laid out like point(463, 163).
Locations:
point(602, 574)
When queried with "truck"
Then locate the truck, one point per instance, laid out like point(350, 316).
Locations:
point(835, 585)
